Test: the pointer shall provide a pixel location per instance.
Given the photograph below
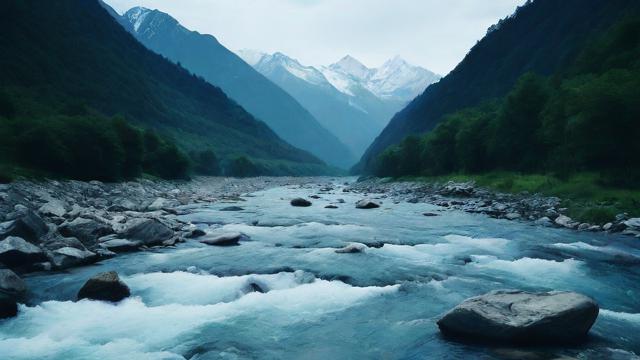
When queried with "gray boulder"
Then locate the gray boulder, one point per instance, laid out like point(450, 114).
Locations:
point(16, 252)
point(105, 287)
point(150, 232)
point(514, 316)
point(27, 225)
point(366, 204)
point(566, 221)
point(300, 202)
point(120, 245)
point(230, 239)
point(633, 223)
point(53, 208)
point(86, 230)
point(68, 257)
point(12, 289)
point(232, 208)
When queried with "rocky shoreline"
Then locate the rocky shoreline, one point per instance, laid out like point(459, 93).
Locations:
point(55, 225)
point(467, 197)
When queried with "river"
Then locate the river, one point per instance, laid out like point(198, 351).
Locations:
point(194, 301)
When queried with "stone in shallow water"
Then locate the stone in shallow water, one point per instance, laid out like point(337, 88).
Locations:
point(105, 287)
point(352, 249)
point(12, 288)
point(300, 202)
point(230, 239)
point(366, 204)
point(514, 316)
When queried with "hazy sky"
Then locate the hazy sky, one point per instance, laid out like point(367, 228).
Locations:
point(435, 34)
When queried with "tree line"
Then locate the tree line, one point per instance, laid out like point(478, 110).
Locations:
point(585, 118)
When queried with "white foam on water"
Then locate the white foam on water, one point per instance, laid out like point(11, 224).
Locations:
point(533, 269)
point(201, 289)
point(622, 316)
point(455, 245)
point(132, 327)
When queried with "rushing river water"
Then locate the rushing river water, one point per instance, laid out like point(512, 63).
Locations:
point(194, 301)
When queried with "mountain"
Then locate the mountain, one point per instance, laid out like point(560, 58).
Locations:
point(542, 37)
point(351, 100)
point(205, 56)
point(71, 57)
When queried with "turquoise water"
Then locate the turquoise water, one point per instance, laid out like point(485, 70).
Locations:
point(193, 301)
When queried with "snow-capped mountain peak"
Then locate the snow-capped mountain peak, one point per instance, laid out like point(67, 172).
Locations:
point(251, 57)
point(279, 60)
point(136, 16)
point(348, 65)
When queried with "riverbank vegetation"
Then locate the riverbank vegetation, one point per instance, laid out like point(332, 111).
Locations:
point(585, 119)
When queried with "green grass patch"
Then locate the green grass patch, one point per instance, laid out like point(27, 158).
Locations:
point(587, 196)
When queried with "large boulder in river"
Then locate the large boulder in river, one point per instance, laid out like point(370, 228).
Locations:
point(300, 202)
point(104, 287)
point(27, 225)
point(366, 204)
point(514, 316)
point(150, 232)
point(230, 239)
point(12, 289)
point(16, 252)
point(86, 230)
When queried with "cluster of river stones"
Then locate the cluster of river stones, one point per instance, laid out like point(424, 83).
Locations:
point(57, 225)
point(542, 210)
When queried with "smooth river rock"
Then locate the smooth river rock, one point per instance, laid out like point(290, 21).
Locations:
point(105, 286)
point(366, 204)
point(230, 239)
point(12, 288)
point(300, 202)
point(514, 316)
point(15, 252)
point(150, 232)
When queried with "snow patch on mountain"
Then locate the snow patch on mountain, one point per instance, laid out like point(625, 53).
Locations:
point(136, 16)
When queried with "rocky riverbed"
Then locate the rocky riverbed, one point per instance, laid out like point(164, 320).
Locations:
point(288, 268)
point(467, 197)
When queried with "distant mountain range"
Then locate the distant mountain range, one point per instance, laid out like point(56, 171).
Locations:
point(205, 56)
point(70, 58)
point(348, 98)
point(542, 37)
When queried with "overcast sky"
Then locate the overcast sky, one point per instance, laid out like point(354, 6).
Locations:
point(435, 34)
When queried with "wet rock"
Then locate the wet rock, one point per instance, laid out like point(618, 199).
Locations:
point(330, 207)
point(68, 257)
point(254, 287)
point(300, 202)
point(16, 252)
point(354, 248)
point(430, 214)
point(584, 227)
point(315, 197)
point(566, 221)
point(12, 289)
point(513, 216)
point(232, 208)
point(607, 226)
point(150, 232)
point(366, 204)
point(231, 239)
point(544, 221)
point(105, 287)
point(161, 204)
point(26, 224)
point(58, 242)
point(86, 230)
point(514, 316)
point(120, 245)
point(53, 208)
point(196, 233)
point(633, 223)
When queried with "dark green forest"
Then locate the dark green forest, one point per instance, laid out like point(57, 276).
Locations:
point(68, 70)
point(585, 118)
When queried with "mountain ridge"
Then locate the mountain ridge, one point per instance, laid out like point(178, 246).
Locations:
point(203, 55)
